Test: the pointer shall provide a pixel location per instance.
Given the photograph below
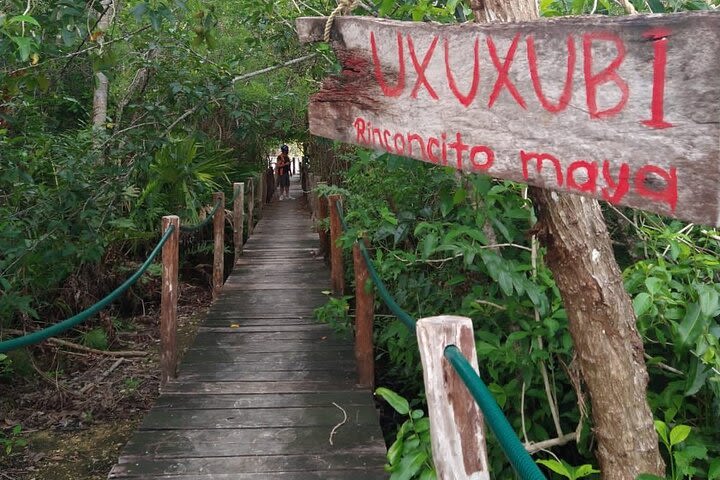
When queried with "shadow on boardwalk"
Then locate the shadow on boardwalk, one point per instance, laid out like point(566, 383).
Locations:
point(264, 392)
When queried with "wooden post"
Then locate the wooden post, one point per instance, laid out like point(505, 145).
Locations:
point(456, 423)
point(315, 197)
point(323, 233)
point(364, 316)
point(238, 218)
point(336, 261)
point(251, 205)
point(261, 193)
point(304, 179)
point(168, 300)
point(219, 247)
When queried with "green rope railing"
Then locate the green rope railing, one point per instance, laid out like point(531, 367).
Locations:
point(61, 327)
point(511, 445)
point(204, 223)
point(211, 215)
point(401, 314)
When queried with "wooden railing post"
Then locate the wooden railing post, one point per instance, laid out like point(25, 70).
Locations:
point(322, 215)
point(238, 218)
point(364, 316)
point(336, 263)
point(219, 244)
point(251, 205)
point(261, 193)
point(168, 300)
point(456, 423)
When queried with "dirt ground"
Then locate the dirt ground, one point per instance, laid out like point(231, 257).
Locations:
point(75, 418)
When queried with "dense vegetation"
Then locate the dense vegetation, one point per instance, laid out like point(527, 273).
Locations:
point(81, 203)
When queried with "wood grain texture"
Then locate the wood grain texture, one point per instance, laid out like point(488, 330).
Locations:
point(623, 109)
point(168, 300)
point(264, 386)
point(218, 244)
point(337, 275)
point(238, 218)
point(456, 423)
point(364, 318)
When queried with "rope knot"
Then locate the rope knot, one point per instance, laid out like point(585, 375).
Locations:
point(344, 7)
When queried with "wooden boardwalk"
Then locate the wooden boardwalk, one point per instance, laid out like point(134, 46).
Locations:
point(264, 392)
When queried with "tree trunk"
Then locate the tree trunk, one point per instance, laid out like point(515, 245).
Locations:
point(600, 313)
point(100, 94)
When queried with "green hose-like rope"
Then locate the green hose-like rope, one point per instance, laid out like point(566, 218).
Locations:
point(402, 315)
point(58, 328)
point(511, 445)
point(201, 225)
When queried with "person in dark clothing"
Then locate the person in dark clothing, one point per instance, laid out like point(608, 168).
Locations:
point(283, 170)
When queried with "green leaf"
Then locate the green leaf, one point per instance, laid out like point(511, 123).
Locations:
point(709, 299)
point(395, 451)
point(654, 285)
point(396, 401)
point(642, 303)
point(714, 471)
point(678, 434)
point(409, 466)
point(505, 281)
point(459, 197)
point(556, 467)
point(648, 476)
point(428, 245)
point(662, 430)
point(584, 470)
point(692, 325)
point(23, 18)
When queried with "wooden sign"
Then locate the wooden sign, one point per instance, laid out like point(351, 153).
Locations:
point(622, 109)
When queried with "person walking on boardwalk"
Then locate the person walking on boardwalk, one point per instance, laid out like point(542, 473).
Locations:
point(283, 166)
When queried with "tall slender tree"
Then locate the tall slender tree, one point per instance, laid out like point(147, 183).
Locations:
point(102, 84)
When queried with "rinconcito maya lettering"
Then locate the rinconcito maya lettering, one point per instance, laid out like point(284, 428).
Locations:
point(649, 181)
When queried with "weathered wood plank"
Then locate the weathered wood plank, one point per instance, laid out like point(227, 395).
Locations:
point(257, 418)
point(316, 399)
point(366, 474)
point(281, 347)
point(250, 465)
point(623, 109)
point(166, 444)
point(181, 387)
point(320, 338)
point(273, 361)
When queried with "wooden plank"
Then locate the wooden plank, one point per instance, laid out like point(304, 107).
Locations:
point(271, 400)
point(272, 361)
point(295, 346)
point(227, 373)
point(181, 387)
point(260, 464)
point(240, 442)
point(622, 109)
point(257, 418)
point(241, 328)
point(203, 339)
point(367, 474)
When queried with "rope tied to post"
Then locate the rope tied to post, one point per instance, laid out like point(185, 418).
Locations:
point(344, 7)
